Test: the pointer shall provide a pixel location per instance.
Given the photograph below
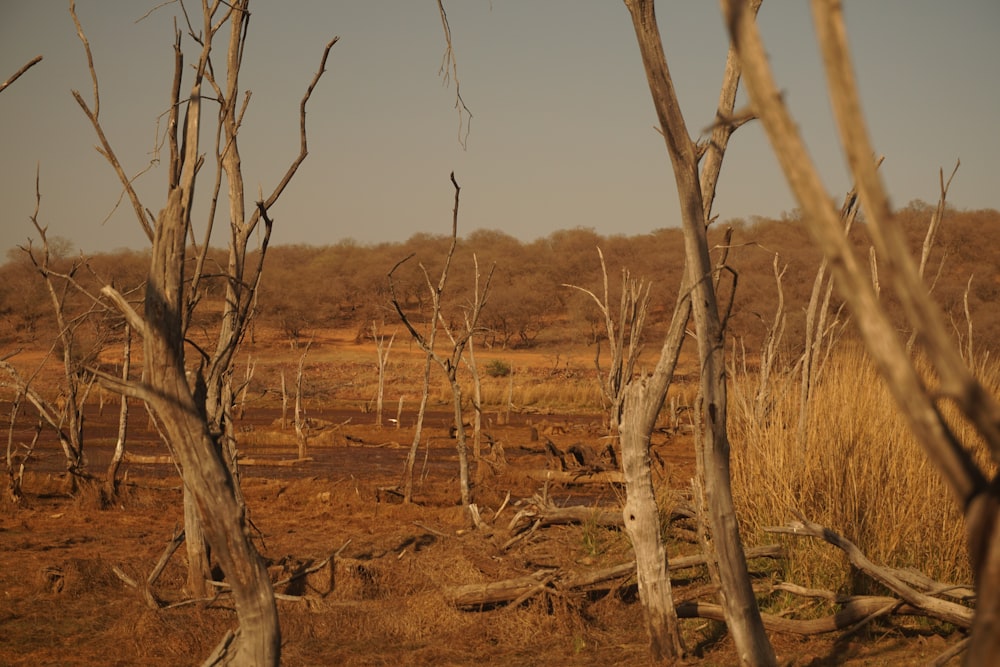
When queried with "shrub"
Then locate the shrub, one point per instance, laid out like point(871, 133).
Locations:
point(497, 368)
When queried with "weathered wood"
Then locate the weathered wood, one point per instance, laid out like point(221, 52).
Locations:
point(570, 478)
point(642, 523)
point(556, 516)
point(852, 612)
point(495, 592)
point(742, 613)
point(507, 590)
point(952, 612)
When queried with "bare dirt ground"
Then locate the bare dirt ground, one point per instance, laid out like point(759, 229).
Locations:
point(386, 597)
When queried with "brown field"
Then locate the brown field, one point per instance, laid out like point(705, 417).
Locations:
point(385, 597)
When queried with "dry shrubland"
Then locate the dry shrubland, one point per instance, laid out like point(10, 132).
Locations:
point(853, 468)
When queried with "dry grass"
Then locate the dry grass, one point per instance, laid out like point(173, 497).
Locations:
point(858, 472)
point(384, 599)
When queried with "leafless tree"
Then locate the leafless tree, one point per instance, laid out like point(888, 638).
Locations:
point(627, 327)
point(645, 398)
point(382, 349)
point(300, 433)
point(919, 400)
point(195, 410)
point(450, 364)
point(65, 414)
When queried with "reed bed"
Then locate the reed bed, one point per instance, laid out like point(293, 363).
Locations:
point(854, 468)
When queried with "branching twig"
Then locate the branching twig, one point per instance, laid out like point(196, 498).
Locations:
point(16, 75)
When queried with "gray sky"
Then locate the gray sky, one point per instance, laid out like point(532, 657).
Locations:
point(562, 134)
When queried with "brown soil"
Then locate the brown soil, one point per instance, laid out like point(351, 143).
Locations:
point(383, 600)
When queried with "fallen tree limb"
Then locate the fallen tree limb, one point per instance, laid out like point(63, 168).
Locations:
point(481, 595)
point(495, 592)
point(552, 515)
point(944, 610)
point(158, 459)
point(854, 610)
point(561, 477)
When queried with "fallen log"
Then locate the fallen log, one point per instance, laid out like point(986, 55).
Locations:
point(484, 595)
point(551, 515)
point(161, 459)
point(570, 478)
point(495, 592)
point(129, 457)
point(950, 612)
point(853, 611)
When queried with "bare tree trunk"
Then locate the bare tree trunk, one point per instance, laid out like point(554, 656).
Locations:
point(382, 351)
point(111, 480)
point(300, 434)
point(197, 417)
point(284, 401)
point(75, 387)
point(207, 478)
point(199, 554)
point(477, 417)
point(411, 456)
point(15, 461)
point(816, 330)
point(738, 600)
point(642, 523)
point(461, 445)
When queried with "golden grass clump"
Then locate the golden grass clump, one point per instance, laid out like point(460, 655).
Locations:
point(857, 470)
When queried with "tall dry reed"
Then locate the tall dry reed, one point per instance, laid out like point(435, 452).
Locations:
point(857, 471)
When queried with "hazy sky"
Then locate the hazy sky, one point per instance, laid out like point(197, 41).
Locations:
point(563, 128)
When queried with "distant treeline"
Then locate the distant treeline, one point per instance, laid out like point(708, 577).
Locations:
point(308, 288)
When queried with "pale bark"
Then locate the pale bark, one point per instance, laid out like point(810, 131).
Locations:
point(480, 595)
point(411, 456)
point(111, 479)
point(300, 433)
point(196, 416)
point(738, 600)
point(382, 351)
point(642, 523)
point(206, 476)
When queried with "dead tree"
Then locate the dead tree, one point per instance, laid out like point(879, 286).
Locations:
point(65, 415)
point(632, 308)
point(477, 395)
point(382, 350)
point(820, 334)
point(451, 364)
point(16, 453)
point(195, 411)
point(300, 433)
point(919, 400)
point(111, 478)
point(698, 297)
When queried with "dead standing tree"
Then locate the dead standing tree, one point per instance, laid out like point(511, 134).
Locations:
point(66, 414)
point(644, 398)
point(919, 400)
point(382, 349)
point(632, 309)
point(195, 414)
point(451, 364)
